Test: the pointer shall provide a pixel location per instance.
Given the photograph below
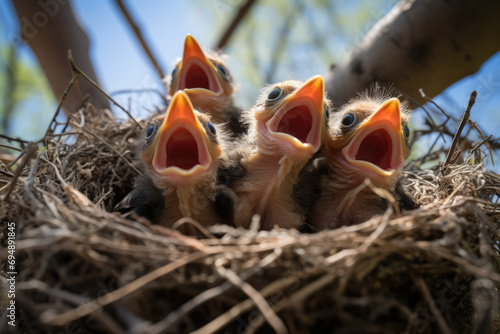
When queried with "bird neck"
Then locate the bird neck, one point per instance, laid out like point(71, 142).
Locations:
point(269, 186)
point(355, 199)
point(187, 198)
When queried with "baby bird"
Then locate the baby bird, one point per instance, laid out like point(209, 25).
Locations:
point(207, 82)
point(182, 152)
point(287, 127)
point(369, 141)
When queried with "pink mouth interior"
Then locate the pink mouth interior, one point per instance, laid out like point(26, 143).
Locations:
point(182, 150)
point(377, 149)
point(296, 122)
point(196, 77)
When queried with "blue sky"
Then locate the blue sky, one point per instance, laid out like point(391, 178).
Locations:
point(121, 64)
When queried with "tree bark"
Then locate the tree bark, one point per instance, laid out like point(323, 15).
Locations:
point(427, 44)
point(50, 28)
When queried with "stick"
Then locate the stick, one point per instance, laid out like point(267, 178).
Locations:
point(61, 101)
point(138, 34)
point(30, 150)
point(93, 306)
point(465, 117)
point(240, 15)
point(77, 70)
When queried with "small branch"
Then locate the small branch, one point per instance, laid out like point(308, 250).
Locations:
point(61, 101)
point(28, 152)
point(166, 323)
point(240, 15)
point(424, 290)
point(466, 116)
point(485, 140)
point(111, 148)
point(11, 147)
point(93, 306)
point(271, 317)
point(11, 139)
point(138, 34)
point(77, 70)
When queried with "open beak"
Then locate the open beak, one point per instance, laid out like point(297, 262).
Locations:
point(298, 121)
point(181, 145)
point(197, 74)
point(377, 146)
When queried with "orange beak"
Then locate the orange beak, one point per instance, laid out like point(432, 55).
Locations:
point(197, 74)
point(377, 146)
point(298, 121)
point(181, 144)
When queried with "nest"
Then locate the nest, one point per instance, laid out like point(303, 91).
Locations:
point(82, 268)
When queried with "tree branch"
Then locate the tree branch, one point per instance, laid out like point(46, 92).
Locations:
point(420, 43)
point(141, 39)
point(240, 15)
point(51, 29)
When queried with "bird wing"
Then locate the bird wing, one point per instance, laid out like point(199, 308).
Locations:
point(229, 171)
point(235, 123)
point(307, 189)
point(146, 200)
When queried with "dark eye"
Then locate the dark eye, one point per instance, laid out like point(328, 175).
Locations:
point(211, 128)
point(174, 72)
point(150, 130)
point(274, 94)
point(349, 119)
point(222, 70)
point(407, 131)
point(327, 112)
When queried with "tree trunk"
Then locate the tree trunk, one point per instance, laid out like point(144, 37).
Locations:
point(427, 44)
point(51, 29)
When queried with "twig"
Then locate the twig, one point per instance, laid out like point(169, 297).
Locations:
point(88, 308)
point(61, 101)
point(284, 33)
point(485, 140)
point(218, 323)
point(475, 147)
point(138, 34)
point(272, 318)
point(111, 148)
point(164, 325)
point(10, 139)
point(434, 103)
point(424, 290)
point(28, 152)
point(240, 15)
point(465, 117)
point(77, 70)
point(104, 318)
point(11, 147)
point(142, 91)
point(197, 225)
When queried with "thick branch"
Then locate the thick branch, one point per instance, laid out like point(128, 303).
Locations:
point(51, 29)
point(426, 44)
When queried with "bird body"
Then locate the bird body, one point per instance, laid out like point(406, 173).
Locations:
point(288, 125)
point(369, 141)
point(182, 153)
point(204, 77)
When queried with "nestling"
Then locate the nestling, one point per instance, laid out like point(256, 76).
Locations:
point(287, 127)
point(369, 141)
point(206, 80)
point(182, 151)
